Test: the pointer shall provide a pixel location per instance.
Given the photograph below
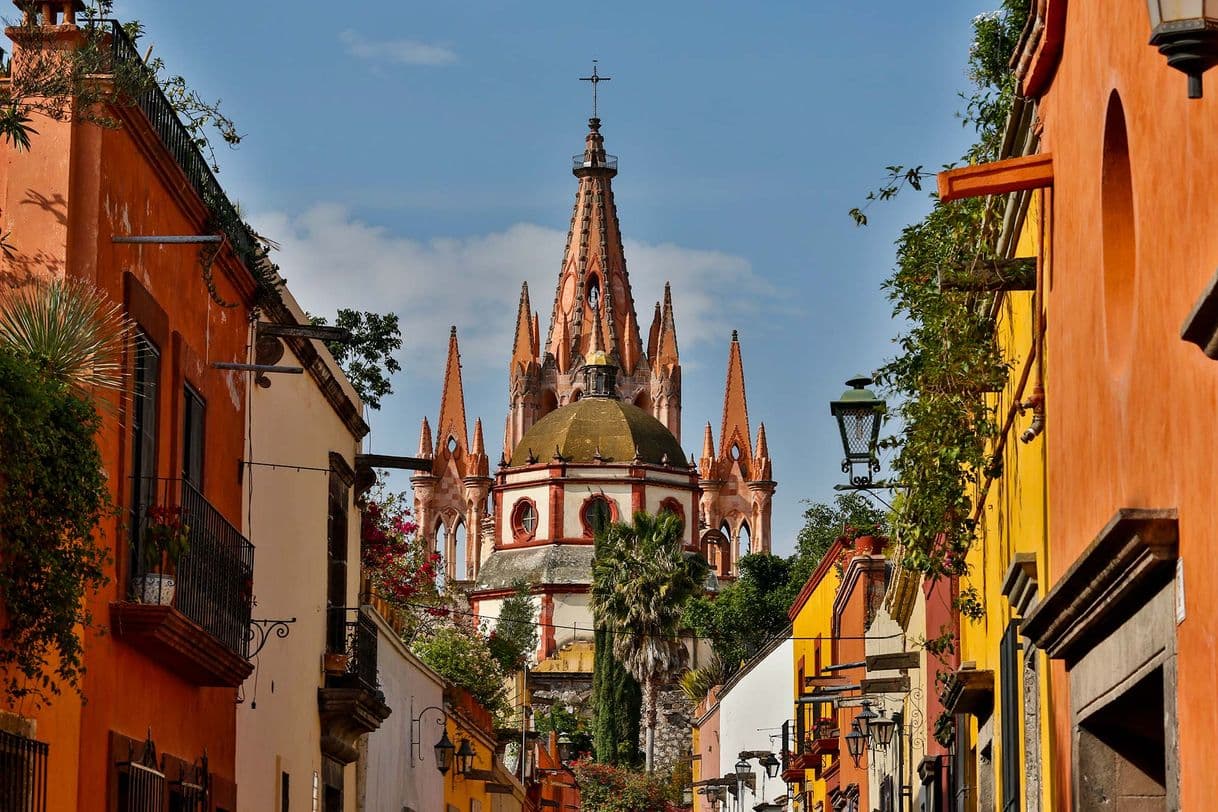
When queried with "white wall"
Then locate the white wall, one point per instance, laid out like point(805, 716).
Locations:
point(751, 711)
point(396, 778)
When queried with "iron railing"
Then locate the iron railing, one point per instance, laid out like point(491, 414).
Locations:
point(23, 774)
point(214, 578)
point(182, 146)
point(356, 635)
point(582, 161)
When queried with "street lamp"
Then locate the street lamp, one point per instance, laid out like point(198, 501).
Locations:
point(1186, 32)
point(743, 769)
point(858, 413)
point(881, 730)
point(465, 757)
point(856, 742)
point(771, 765)
point(566, 747)
point(865, 718)
point(444, 753)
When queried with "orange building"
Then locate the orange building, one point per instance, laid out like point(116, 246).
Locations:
point(1129, 614)
point(161, 683)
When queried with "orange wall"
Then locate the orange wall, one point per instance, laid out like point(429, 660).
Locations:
point(62, 223)
point(1134, 426)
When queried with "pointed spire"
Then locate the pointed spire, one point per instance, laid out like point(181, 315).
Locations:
point(451, 423)
point(425, 447)
point(666, 349)
point(763, 468)
point(479, 446)
point(653, 336)
point(708, 443)
point(525, 350)
point(763, 448)
point(481, 465)
point(734, 438)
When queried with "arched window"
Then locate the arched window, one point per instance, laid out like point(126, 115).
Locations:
point(596, 515)
point(460, 570)
point(744, 541)
point(594, 292)
point(524, 520)
point(549, 402)
point(671, 505)
point(442, 551)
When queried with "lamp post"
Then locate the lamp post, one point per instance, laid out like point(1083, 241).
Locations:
point(771, 765)
point(859, 414)
point(1186, 32)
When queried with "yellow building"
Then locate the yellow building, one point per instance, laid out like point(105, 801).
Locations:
point(1001, 687)
point(476, 781)
point(812, 760)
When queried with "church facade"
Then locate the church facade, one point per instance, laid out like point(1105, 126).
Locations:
point(592, 434)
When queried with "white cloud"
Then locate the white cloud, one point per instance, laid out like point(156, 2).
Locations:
point(333, 260)
point(397, 51)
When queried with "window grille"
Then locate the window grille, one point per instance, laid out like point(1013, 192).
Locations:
point(141, 783)
point(23, 774)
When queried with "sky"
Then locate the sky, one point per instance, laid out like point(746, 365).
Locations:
point(415, 158)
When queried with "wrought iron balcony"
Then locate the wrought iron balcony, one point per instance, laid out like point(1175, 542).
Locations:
point(605, 161)
point(23, 773)
point(352, 637)
point(213, 579)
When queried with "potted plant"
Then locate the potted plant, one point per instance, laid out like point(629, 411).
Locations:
point(166, 539)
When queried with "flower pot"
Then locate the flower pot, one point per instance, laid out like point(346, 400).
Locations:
point(154, 588)
point(335, 663)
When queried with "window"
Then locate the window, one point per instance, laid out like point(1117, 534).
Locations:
point(744, 541)
point(192, 439)
point(144, 419)
point(460, 557)
point(285, 792)
point(141, 788)
point(1010, 687)
point(336, 562)
point(442, 551)
point(597, 514)
point(23, 773)
point(672, 506)
point(524, 519)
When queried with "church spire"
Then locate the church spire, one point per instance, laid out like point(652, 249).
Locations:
point(666, 344)
point(524, 352)
point(734, 437)
point(593, 274)
point(425, 447)
point(451, 423)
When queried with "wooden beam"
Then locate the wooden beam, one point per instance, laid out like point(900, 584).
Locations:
point(317, 331)
point(894, 661)
point(990, 275)
point(999, 177)
point(390, 461)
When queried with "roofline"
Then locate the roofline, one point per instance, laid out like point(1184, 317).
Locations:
point(839, 544)
point(766, 650)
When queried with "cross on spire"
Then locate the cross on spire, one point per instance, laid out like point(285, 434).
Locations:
point(595, 79)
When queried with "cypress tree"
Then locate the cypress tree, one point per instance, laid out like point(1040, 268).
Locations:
point(617, 700)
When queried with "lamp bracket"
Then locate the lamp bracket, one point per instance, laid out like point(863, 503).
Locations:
point(416, 727)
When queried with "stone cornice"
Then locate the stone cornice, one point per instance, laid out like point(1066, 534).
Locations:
point(1020, 584)
point(1132, 556)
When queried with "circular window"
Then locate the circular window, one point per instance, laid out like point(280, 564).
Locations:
point(524, 518)
point(596, 515)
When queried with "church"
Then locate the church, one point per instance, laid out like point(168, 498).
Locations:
point(592, 435)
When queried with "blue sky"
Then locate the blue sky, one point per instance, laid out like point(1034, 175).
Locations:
point(414, 157)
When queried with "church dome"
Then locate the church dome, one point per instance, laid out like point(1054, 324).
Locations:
point(600, 426)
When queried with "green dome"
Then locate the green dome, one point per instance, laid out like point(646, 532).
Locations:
point(619, 431)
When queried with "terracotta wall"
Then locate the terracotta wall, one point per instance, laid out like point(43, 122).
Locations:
point(1131, 406)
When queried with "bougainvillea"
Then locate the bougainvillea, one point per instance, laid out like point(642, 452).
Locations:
point(401, 570)
point(605, 788)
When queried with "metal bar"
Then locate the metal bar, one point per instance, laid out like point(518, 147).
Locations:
point(319, 332)
point(168, 240)
point(258, 368)
point(843, 666)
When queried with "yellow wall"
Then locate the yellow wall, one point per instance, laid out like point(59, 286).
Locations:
point(813, 619)
point(1013, 519)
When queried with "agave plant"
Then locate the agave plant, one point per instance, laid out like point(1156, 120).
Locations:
point(68, 330)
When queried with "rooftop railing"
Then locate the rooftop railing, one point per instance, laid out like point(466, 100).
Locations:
point(582, 161)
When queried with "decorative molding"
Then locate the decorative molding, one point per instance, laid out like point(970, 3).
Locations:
point(174, 641)
point(1020, 586)
point(969, 690)
point(1133, 555)
point(346, 714)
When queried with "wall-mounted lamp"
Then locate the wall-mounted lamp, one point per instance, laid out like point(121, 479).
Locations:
point(444, 753)
point(465, 757)
point(1186, 32)
point(443, 748)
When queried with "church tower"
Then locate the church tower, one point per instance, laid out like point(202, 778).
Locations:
point(450, 499)
point(737, 482)
point(592, 298)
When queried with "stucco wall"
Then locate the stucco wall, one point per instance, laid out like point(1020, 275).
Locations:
point(292, 424)
point(396, 777)
point(751, 711)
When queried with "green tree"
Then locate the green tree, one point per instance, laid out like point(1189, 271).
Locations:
point(459, 653)
point(368, 360)
point(617, 705)
point(515, 633)
point(849, 514)
point(641, 579)
point(745, 614)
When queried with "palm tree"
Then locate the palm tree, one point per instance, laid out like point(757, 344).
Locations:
point(68, 330)
point(641, 578)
